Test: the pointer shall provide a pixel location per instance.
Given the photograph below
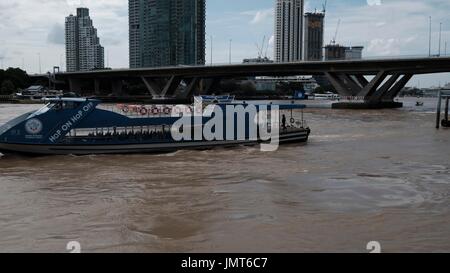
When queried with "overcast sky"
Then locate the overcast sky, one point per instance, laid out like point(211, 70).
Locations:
point(29, 28)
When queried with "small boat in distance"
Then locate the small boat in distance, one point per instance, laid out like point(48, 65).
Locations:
point(82, 126)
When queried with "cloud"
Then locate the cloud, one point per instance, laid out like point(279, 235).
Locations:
point(272, 41)
point(262, 16)
point(56, 35)
point(383, 47)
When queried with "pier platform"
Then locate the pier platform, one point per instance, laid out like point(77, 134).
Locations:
point(367, 105)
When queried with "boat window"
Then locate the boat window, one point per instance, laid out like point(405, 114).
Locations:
point(68, 105)
point(55, 106)
point(65, 105)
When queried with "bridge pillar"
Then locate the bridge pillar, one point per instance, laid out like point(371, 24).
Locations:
point(171, 86)
point(373, 85)
point(208, 85)
point(384, 88)
point(160, 89)
point(352, 86)
point(188, 90)
point(152, 87)
point(97, 87)
point(338, 84)
point(75, 85)
point(394, 90)
point(378, 92)
point(116, 86)
point(362, 81)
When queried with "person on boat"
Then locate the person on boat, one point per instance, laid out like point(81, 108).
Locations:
point(283, 122)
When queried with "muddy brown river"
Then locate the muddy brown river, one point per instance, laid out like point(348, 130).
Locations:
point(363, 176)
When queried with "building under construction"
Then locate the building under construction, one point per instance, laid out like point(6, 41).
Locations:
point(314, 35)
point(335, 52)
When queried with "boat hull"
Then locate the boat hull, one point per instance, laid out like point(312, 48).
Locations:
point(88, 149)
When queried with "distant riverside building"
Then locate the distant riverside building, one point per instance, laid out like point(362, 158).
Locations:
point(289, 30)
point(258, 60)
point(314, 30)
point(166, 32)
point(83, 49)
point(339, 52)
point(354, 53)
point(334, 52)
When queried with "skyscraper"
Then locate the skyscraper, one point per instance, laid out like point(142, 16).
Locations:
point(83, 49)
point(314, 29)
point(166, 32)
point(289, 30)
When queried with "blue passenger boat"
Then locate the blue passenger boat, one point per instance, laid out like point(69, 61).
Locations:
point(83, 126)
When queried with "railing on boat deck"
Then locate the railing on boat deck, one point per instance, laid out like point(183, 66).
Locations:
point(142, 111)
point(147, 111)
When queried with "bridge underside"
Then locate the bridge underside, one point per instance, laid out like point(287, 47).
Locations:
point(174, 87)
point(375, 90)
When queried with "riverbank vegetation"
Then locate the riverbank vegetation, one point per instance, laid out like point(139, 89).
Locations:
point(13, 79)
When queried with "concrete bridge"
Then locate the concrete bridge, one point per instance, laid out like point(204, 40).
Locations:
point(379, 81)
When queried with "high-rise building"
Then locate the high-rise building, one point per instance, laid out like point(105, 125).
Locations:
point(289, 30)
point(83, 49)
point(314, 29)
point(166, 32)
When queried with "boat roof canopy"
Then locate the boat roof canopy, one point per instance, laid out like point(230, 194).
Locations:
point(69, 100)
point(281, 106)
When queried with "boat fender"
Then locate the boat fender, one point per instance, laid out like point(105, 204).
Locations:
point(166, 110)
point(155, 111)
point(125, 109)
point(292, 120)
point(143, 111)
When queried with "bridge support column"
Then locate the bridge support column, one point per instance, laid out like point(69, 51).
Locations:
point(158, 89)
point(208, 85)
point(171, 86)
point(362, 81)
point(191, 84)
point(116, 86)
point(338, 84)
point(376, 97)
point(373, 85)
point(75, 86)
point(378, 92)
point(351, 85)
point(97, 87)
point(394, 90)
point(152, 87)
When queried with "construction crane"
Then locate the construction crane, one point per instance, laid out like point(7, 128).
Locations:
point(333, 42)
point(261, 49)
point(324, 6)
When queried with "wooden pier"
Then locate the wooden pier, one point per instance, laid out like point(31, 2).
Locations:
point(8, 99)
point(443, 95)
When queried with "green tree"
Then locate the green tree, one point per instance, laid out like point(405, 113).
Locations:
point(18, 77)
point(7, 88)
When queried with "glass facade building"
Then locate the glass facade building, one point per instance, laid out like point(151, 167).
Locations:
point(166, 32)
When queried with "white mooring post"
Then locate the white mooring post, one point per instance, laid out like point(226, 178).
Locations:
point(438, 115)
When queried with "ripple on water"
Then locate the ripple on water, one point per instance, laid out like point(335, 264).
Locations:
point(362, 192)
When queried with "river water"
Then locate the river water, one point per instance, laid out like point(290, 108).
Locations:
point(364, 176)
